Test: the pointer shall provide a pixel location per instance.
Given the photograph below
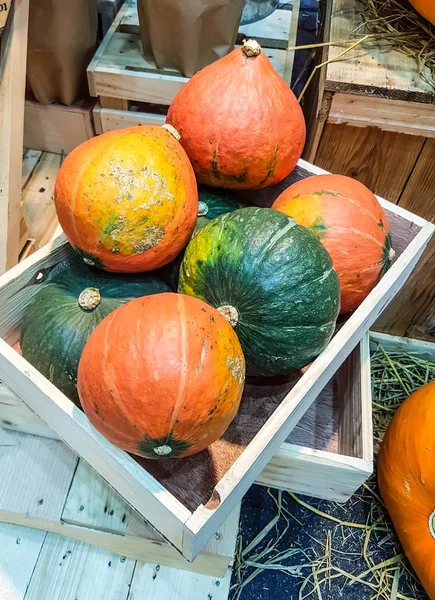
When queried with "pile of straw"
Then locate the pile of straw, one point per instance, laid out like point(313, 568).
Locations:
point(396, 24)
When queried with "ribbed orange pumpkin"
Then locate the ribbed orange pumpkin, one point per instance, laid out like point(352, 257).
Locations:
point(162, 378)
point(426, 8)
point(127, 200)
point(406, 475)
point(239, 122)
point(350, 223)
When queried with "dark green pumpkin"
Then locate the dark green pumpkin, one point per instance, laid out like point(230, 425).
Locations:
point(212, 203)
point(72, 302)
point(273, 280)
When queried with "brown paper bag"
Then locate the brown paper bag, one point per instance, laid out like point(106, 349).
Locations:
point(62, 41)
point(187, 35)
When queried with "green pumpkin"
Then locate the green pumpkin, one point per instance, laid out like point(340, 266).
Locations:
point(72, 302)
point(212, 203)
point(274, 282)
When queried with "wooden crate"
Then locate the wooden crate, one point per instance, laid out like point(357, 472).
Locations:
point(371, 116)
point(57, 128)
point(328, 454)
point(187, 510)
point(123, 79)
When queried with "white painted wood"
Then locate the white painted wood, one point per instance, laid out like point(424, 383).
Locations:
point(19, 551)
point(392, 343)
point(266, 443)
point(70, 570)
point(17, 416)
point(37, 203)
point(172, 584)
point(30, 159)
point(36, 475)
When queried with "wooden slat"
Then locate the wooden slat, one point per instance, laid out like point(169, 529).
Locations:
point(19, 551)
point(412, 118)
point(418, 195)
point(38, 208)
point(392, 343)
point(171, 584)
point(69, 570)
point(12, 88)
point(370, 155)
point(117, 119)
point(30, 159)
point(57, 128)
point(369, 68)
point(36, 475)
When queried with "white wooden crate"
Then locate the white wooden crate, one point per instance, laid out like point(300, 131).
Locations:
point(186, 525)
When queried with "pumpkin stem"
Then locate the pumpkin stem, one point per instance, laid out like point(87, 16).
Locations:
point(163, 450)
point(202, 209)
point(89, 299)
point(391, 254)
point(230, 313)
point(251, 48)
point(432, 524)
point(171, 129)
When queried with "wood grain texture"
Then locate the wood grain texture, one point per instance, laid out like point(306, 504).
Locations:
point(57, 128)
point(412, 313)
point(165, 583)
point(70, 570)
point(37, 205)
point(12, 88)
point(392, 343)
point(36, 475)
point(19, 551)
point(382, 160)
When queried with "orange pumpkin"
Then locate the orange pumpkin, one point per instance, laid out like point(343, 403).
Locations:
point(426, 8)
point(127, 200)
point(162, 378)
point(406, 475)
point(239, 121)
point(350, 223)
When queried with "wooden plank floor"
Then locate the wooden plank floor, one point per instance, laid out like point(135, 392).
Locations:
point(43, 482)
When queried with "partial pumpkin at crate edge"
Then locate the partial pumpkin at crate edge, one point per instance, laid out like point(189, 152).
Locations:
point(186, 524)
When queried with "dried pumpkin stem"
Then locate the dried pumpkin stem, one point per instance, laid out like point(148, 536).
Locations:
point(432, 524)
point(230, 313)
point(251, 48)
point(171, 129)
point(89, 299)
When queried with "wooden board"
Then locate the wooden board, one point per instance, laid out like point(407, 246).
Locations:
point(43, 487)
point(370, 155)
point(57, 128)
point(43, 566)
point(190, 531)
point(12, 88)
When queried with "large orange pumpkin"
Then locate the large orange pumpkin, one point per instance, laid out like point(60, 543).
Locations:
point(350, 222)
point(162, 378)
point(406, 475)
point(426, 8)
point(127, 200)
point(239, 121)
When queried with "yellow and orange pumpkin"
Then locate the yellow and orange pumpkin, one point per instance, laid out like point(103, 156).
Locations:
point(350, 223)
point(127, 200)
point(406, 475)
point(162, 378)
point(239, 121)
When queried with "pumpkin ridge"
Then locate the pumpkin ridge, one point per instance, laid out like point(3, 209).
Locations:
point(351, 230)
